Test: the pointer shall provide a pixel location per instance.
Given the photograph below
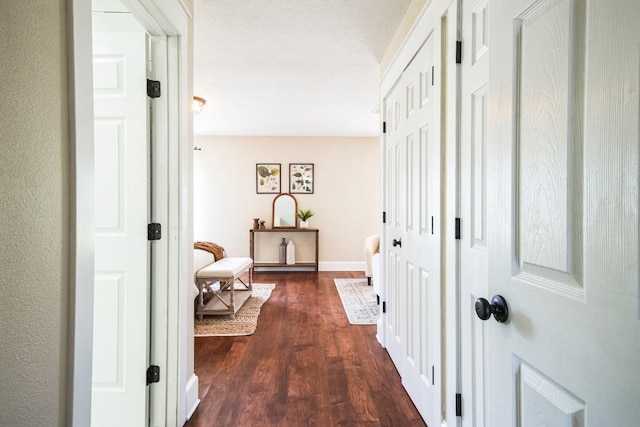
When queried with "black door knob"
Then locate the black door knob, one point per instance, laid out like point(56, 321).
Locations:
point(498, 308)
point(397, 242)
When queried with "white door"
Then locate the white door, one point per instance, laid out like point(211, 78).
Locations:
point(563, 200)
point(412, 247)
point(473, 207)
point(121, 316)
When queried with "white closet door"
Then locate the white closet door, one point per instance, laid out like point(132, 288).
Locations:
point(414, 113)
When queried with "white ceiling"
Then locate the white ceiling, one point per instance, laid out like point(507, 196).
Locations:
point(291, 67)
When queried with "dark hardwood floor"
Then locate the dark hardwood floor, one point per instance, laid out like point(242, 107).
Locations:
point(304, 366)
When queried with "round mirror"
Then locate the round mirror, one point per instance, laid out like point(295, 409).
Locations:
point(285, 207)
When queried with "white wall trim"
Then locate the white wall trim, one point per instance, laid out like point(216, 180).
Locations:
point(81, 209)
point(170, 19)
point(185, 9)
point(417, 35)
point(400, 57)
point(341, 266)
point(192, 395)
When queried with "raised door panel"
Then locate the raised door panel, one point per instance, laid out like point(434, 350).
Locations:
point(550, 57)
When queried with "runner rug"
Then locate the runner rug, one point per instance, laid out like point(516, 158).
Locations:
point(246, 317)
point(358, 300)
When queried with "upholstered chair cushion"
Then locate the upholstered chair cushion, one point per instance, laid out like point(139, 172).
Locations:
point(371, 247)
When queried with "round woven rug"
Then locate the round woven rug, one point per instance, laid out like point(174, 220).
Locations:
point(246, 317)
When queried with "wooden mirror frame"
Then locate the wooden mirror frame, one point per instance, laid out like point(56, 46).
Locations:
point(273, 211)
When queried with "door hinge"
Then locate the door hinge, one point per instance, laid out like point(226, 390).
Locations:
point(153, 88)
point(458, 405)
point(458, 52)
point(457, 228)
point(153, 374)
point(384, 127)
point(384, 217)
point(384, 306)
point(154, 231)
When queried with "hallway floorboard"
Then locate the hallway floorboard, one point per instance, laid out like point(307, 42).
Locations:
point(304, 366)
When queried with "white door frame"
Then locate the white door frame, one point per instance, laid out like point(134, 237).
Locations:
point(170, 402)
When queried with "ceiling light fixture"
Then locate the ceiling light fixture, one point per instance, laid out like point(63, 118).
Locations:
point(198, 104)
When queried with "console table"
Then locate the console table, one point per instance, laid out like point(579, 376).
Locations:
point(252, 244)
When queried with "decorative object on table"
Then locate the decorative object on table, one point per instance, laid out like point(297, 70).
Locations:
point(304, 216)
point(282, 258)
point(246, 318)
point(284, 211)
point(262, 227)
point(291, 253)
point(310, 236)
point(301, 178)
point(359, 301)
point(256, 223)
point(268, 178)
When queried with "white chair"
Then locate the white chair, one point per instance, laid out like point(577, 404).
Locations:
point(371, 248)
point(375, 275)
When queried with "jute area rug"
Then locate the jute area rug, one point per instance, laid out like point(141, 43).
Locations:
point(246, 317)
point(358, 300)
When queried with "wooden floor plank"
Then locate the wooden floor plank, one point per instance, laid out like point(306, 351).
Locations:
point(304, 366)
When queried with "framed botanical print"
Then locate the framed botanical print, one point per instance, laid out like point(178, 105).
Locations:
point(301, 178)
point(268, 178)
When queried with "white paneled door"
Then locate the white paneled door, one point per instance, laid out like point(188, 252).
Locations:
point(413, 111)
point(121, 313)
point(473, 207)
point(562, 213)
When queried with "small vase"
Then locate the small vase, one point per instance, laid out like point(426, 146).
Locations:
point(291, 253)
point(282, 255)
point(304, 224)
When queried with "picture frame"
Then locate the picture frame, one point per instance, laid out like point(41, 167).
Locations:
point(301, 178)
point(268, 178)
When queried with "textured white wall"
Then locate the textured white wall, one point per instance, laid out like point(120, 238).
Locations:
point(34, 213)
point(346, 200)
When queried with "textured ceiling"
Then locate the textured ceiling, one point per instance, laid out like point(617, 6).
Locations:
point(291, 67)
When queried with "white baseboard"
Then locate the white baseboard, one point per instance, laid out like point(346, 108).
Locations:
point(192, 395)
point(341, 266)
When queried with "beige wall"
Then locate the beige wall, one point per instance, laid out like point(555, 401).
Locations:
point(346, 198)
point(34, 283)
